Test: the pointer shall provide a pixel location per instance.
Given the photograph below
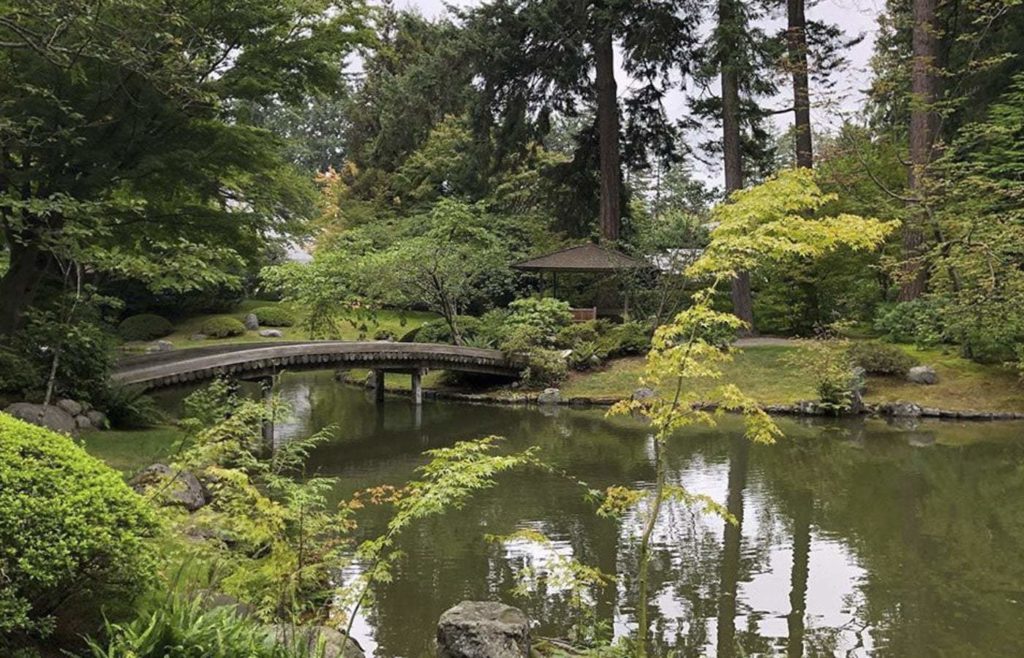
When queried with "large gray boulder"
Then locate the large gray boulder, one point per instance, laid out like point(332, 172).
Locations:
point(550, 396)
point(315, 641)
point(923, 375)
point(177, 488)
point(51, 416)
point(483, 629)
point(70, 406)
point(97, 419)
point(251, 322)
point(900, 409)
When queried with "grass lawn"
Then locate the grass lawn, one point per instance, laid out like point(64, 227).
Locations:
point(129, 451)
point(397, 323)
point(765, 372)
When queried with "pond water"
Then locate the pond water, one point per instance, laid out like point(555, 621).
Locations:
point(855, 538)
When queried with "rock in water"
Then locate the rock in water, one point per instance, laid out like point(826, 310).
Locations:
point(311, 638)
point(923, 375)
point(251, 322)
point(550, 396)
point(483, 629)
point(51, 417)
point(185, 490)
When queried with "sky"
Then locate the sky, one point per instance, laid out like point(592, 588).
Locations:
point(828, 111)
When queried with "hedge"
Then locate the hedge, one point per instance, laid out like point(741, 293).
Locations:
point(222, 326)
point(146, 326)
point(68, 525)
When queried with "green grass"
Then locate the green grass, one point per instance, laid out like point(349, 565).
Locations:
point(398, 323)
point(767, 374)
point(129, 451)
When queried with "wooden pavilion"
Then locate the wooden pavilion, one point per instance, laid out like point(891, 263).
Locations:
point(584, 259)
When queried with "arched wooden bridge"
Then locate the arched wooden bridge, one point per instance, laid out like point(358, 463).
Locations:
point(249, 361)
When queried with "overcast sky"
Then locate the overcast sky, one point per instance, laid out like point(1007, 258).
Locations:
point(854, 16)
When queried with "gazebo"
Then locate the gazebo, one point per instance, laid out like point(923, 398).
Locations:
point(584, 259)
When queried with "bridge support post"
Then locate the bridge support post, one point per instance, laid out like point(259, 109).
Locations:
point(267, 394)
point(378, 386)
point(417, 387)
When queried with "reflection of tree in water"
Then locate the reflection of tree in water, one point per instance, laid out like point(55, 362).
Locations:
point(922, 543)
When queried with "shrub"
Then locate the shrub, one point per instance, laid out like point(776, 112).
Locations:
point(146, 326)
point(68, 524)
point(628, 338)
point(274, 316)
point(918, 322)
point(438, 331)
point(129, 408)
point(184, 628)
point(384, 334)
point(879, 358)
point(222, 326)
point(547, 368)
point(828, 364)
point(580, 332)
point(523, 339)
point(547, 314)
point(586, 355)
point(18, 375)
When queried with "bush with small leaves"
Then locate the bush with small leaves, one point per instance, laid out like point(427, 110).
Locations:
point(274, 316)
point(919, 322)
point(222, 326)
point(69, 525)
point(146, 326)
point(878, 358)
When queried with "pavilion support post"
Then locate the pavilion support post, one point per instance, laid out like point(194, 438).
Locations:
point(417, 387)
point(378, 386)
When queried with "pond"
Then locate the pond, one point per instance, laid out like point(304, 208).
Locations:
point(855, 538)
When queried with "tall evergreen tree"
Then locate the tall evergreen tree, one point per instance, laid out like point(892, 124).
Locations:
point(539, 58)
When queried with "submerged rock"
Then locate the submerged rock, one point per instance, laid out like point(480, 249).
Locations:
point(483, 629)
point(49, 416)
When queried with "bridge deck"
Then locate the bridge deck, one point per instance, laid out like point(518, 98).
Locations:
point(196, 364)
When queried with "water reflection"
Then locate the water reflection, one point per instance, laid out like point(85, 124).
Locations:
point(854, 539)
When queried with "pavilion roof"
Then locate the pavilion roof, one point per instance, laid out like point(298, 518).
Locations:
point(584, 258)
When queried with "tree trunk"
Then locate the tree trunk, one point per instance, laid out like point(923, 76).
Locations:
point(796, 39)
point(923, 125)
point(608, 136)
point(19, 284)
point(742, 302)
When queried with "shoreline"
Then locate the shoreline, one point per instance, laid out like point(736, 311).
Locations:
point(899, 409)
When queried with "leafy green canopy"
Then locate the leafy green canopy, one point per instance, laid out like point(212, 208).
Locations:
point(125, 143)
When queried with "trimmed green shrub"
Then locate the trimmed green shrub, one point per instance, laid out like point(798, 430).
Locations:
point(222, 326)
point(384, 334)
point(146, 326)
point(878, 358)
point(68, 525)
point(274, 316)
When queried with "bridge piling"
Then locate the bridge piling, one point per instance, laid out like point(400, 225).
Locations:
point(378, 386)
point(417, 387)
